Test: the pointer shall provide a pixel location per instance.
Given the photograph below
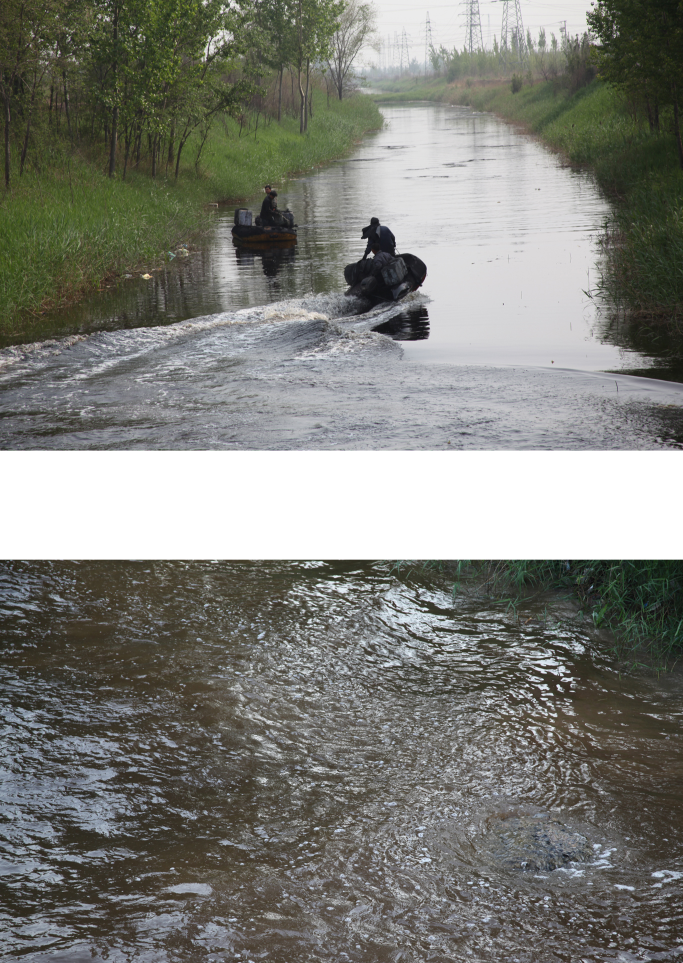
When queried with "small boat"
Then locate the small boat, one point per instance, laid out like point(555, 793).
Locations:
point(392, 282)
point(244, 232)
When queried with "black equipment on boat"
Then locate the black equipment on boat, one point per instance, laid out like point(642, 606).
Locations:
point(390, 282)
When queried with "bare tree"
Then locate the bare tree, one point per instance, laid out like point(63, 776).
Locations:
point(356, 30)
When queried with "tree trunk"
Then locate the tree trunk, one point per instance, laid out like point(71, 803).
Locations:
point(8, 155)
point(302, 102)
point(66, 107)
point(154, 156)
point(677, 126)
point(115, 110)
point(127, 138)
point(180, 150)
point(28, 123)
point(279, 97)
point(201, 146)
point(308, 68)
point(24, 149)
point(112, 147)
point(171, 149)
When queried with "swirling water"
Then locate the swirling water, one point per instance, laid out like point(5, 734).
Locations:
point(315, 761)
point(502, 348)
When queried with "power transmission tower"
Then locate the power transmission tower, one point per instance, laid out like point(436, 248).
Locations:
point(405, 55)
point(513, 46)
point(475, 40)
point(428, 41)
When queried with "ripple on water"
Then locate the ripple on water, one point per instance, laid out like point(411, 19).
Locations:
point(322, 762)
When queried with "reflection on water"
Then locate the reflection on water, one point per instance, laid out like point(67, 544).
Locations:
point(319, 762)
point(409, 325)
point(272, 259)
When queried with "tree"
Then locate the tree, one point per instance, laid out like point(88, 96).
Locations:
point(641, 50)
point(356, 30)
point(316, 22)
point(274, 34)
point(27, 28)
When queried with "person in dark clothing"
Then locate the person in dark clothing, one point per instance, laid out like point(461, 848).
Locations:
point(267, 206)
point(387, 241)
point(270, 214)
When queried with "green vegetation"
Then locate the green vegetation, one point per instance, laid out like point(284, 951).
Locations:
point(66, 228)
point(641, 602)
point(641, 52)
point(121, 118)
point(566, 61)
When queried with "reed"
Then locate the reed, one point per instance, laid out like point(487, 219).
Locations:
point(640, 601)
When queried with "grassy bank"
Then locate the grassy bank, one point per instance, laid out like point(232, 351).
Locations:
point(641, 602)
point(595, 127)
point(68, 228)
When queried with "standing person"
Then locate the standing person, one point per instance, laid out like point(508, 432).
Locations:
point(387, 241)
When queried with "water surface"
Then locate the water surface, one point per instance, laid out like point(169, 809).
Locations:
point(502, 348)
point(313, 762)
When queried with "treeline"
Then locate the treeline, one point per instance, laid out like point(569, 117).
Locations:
point(546, 57)
point(567, 59)
point(139, 77)
point(640, 50)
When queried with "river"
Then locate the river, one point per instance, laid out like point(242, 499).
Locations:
point(322, 761)
point(505, 346)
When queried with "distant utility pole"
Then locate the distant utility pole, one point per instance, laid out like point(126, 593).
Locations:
point(405, 55)
point(473, 26)
point(428, 41)
point(520, 55)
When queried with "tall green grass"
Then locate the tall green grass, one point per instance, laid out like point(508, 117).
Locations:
point(640, 601)
point(67, 228)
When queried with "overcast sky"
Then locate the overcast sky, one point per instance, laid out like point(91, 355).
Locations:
point(448, 20)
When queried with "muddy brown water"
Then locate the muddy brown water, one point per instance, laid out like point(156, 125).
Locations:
point(316, 762)
point(503, 348)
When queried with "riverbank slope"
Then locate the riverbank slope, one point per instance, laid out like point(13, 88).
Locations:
point(640, 601)
point(637, 167)
point(67, 228)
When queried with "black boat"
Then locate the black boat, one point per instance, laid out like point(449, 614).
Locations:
point(392, 282)
point(244, 232)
